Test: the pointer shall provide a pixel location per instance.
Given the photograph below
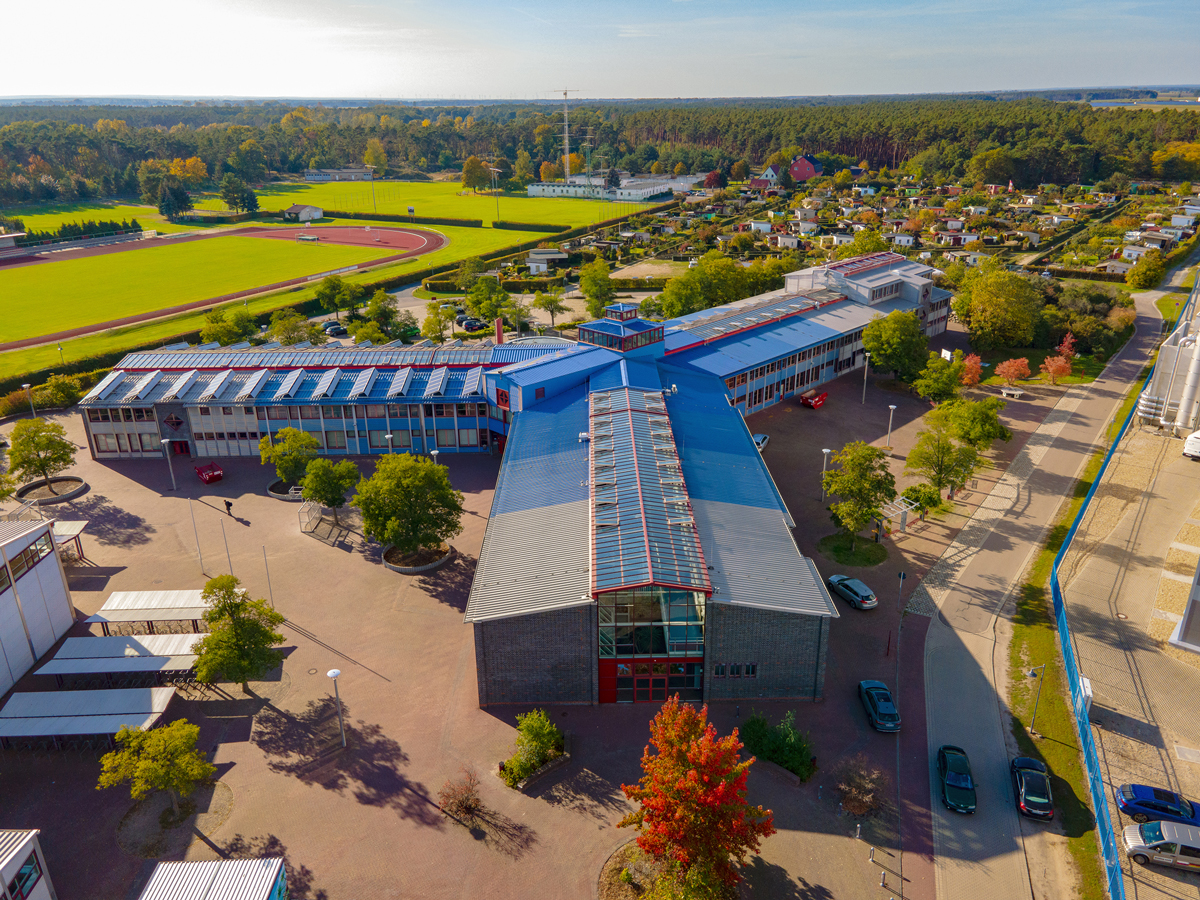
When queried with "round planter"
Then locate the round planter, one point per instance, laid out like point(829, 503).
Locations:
point(81, 487)
point(414, 570)
point(286, 497)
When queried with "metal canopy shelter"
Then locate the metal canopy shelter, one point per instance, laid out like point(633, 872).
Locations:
point(151, 607)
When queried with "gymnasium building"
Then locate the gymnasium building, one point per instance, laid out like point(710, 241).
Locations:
point(637, 545)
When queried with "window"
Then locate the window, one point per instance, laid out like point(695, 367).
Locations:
point(395, 412)
point(126, 414)
point(539, 393)
point(750, 670)
point(376, 411)
point(401, 438)
point(360, 412)
point(483, 438)
point(277, 413)
point(143, 415)
point(468, 437)
point(719, 670)
point(335, 440)
point(227, 410)
point(347, 412)
point(209, 436)
point(331, 412)
point(97, 415)
point(27, 878)
point(220, 435)
point(445, 437)
point(414, 412)
point(30, 556)
point(261, 412)
point(461, 409)
point(293, 413)
point(123, 442)
point(377, 439)
point(151, 442)
point(310, 412)
point(242, 436)
point(248, 410)
point(442, 410)
point(205, 411)
point(106, 443)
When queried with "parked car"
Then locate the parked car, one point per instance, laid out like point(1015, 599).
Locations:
point(460, 318)
point(332, 323)
point(760, 441)
point(1164, 843)
point(1031, 788)
point(881, 709)
point(854, 591)
point(1143, 803)
point(337, 331)
point(472, 325)
point(954, 772)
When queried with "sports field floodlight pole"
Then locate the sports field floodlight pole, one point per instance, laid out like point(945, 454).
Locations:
point(64, 359)
point(866, 368)
point(29, 394)
point(373, 206)
point(334, 673)
point(824, 463)
point(496, 187)
point(1033, 673)
point(891, 412)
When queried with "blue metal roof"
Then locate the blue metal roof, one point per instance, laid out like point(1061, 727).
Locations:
point(563, 364)
point(620, 329)
point(545, 463)
point(636, 373)
point(643, 529)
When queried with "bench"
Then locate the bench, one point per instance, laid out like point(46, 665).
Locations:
point(1011, 393)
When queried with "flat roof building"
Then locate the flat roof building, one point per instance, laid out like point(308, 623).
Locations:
point(23, 866)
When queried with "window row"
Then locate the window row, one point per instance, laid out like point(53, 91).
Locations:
point(336, 438)
point(118, 415)
point(369, 411)
point(27, 559)
point(27, 877)
point(735, 670)
point(651, 640)
point(889, 290)
point(227, 435)
point(122, 443)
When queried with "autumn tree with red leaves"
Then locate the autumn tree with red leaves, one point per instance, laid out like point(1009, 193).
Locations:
point(972, 370)
point(694, 813)
point(1067, 348)
point(1056, 367)
point(1013, 370)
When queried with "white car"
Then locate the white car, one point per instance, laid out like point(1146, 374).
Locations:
point(853, 591)
point(760, 441)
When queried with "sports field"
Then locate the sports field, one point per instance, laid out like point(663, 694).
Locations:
point(429, 198)
point(48, 216)
point(64, 294)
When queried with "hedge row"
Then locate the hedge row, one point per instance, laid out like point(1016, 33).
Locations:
point(227, 218)
point(522, 285)
point(639, 284)
point(415, 220)
point(529, 226)
point(1084, 274)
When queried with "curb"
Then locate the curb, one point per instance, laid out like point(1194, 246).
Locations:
point(61, 498)
point(412, 570)
point(286, 498)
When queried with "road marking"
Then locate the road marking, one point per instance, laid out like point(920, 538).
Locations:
point(1187, 754)
point(1186, 548)
point(1175, 576)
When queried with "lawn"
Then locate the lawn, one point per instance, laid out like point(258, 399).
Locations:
point(48, 216)
point(1085, 369)
point(438, 198)
point(55, 296)
point(464, 242)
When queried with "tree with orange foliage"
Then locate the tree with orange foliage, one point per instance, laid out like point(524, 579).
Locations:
point(972, 370)
point(693, 810)
point(1067, 348)
point(1013, 370)
point(1056, 367)
point(192, 171)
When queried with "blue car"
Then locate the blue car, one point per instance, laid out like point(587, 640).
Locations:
point(1143, 803)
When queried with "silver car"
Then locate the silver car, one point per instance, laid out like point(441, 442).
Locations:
point(858, 594)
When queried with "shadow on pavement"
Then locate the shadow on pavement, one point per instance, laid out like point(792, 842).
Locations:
point(299, 878)
point(110, 524)
point(764, 879)
point(498, 832)
point(584, 791)
point(307, 746)
point(451, 583)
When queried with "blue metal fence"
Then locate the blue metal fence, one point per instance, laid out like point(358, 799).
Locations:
point(1109, 847)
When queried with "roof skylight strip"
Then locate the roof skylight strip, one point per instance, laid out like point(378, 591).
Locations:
point(254, 385)
point(437, 382)
point(182, 383)
point(362, 384)
point(325, 385)
point(399, 383)
point(147, 381)
point(216, 385)
point(289, 384)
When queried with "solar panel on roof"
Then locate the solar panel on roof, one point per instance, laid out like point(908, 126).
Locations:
point(399, 383)
point(102, 390)
point(325, 385)
point(216, 386)
point(138, 391)
point(181, 384)
point(362, 383)
point(254, 384)
point(437, 382)
point(289, 384)
point(473, 384)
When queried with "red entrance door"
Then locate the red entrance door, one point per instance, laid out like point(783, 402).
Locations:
point(649, 682)
point(180, 448)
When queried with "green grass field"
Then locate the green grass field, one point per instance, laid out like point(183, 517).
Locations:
point(56, 296)
point(48, 216)
point(437, 198)
point(464, 242)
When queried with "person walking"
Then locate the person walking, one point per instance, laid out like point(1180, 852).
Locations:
point(229, 508)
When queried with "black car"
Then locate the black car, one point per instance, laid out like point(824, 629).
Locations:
point(954, 771)
point(1031, 788)
point(473, 325)
point(337, 331)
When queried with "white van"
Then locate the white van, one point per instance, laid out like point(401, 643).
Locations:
point(1191, 446)
point(1163, 843)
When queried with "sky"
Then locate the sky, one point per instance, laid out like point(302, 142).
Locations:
point(518, 49)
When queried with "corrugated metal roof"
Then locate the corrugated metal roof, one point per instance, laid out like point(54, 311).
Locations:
point(139, 645)
point(220, 879)
point(643, 531)
point(561, 365)
point(15, 841)
point(754, 560)
point(328, 357)
point(45, 704)
point(11, 531)
point(71, 726)
point(545, 463)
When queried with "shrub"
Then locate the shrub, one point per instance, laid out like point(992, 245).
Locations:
point(926, 496)
point(538, 741)
point(781, 744)
point(861, 785)
point(460, 796)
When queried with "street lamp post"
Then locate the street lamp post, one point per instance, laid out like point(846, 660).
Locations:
point(29, 394)
point(891, 412)
point(434, 454)
point(1033, 673)
point(866, 368)
point(391, 449)
point(824, 463)
point(334, 673)
point(64, 359)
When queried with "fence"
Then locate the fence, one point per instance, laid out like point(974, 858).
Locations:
point(1109, 848)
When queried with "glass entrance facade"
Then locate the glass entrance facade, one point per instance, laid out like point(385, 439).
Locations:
point(651, 644)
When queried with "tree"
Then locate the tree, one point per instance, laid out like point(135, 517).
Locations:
point(468, 273)
point(290, 453)
point(437, 320)
point(161, 759)
point(865, 242)
point(192, 172)
point(938, 457)
point(327, 484)
point(743, 242)
point(40, 449)
point(974, 422)
point(376, 157)
point(228, 327)
point(523, 170)
point(896, 342)
point(739, 170)
point(550, 302)
point(486, 298)
point(692, 810)
point(173, 199)
point(150, 175)
point(1066, 348)
point(596, 285)
point(474, 174)
point(972, 370)
point(999, 308)
point(715, 179)
point(549, 172)
point(330, 293)
point(1055, 367)
point(1147, 271)
point(1013, 370)
point(240, 644)
point(289, 327)
point(680, 169)
point(382, 311)
point(863, 483)
point(409, 503)
point(233, 192)
point(515, 312)
point(367, 330)
point(941, 379)
point(406, 323)
point(248, 161)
